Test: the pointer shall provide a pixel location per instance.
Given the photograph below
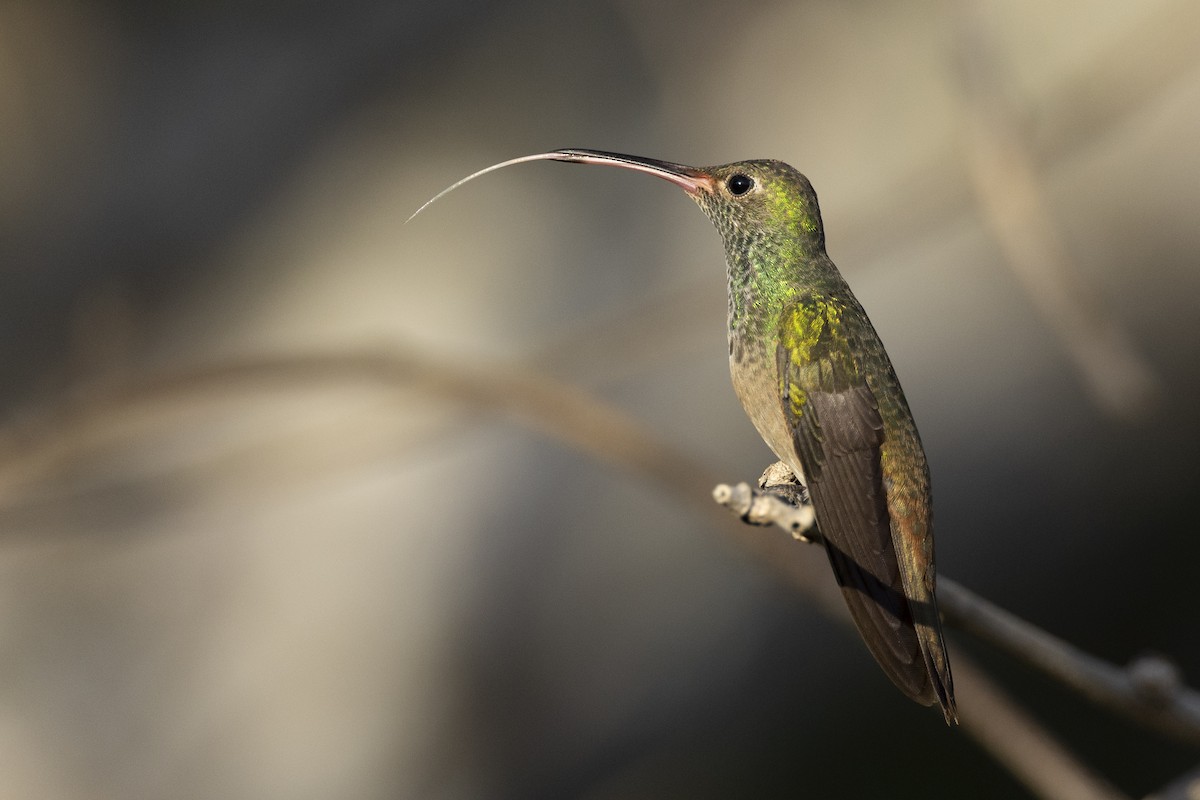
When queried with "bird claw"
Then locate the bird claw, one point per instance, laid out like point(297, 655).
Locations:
point(779, 480)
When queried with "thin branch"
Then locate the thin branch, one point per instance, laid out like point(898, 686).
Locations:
point(1149, 691)
point(775, 505)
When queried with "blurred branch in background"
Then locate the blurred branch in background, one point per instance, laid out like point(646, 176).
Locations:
point(40, 442)
point(34, 449)
point(1111, 87)
point(1007, 185)
point(1185, 788)
point(1018, 742)
point(1102, 94)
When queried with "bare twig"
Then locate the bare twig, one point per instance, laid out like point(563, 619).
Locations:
point(761, 508)
point(1149, 690)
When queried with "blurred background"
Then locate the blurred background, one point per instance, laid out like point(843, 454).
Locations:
point(289, 504)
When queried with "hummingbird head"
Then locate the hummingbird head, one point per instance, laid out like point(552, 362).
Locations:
point(760, 200)
point(750, 202)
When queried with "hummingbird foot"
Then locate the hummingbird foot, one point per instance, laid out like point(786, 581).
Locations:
point(779, 479)
point(780, 500)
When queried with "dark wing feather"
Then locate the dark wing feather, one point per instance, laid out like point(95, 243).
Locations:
point(837, 432)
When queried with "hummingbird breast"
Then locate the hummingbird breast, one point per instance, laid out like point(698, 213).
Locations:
point(755, 377)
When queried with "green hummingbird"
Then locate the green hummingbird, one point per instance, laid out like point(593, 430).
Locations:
point(816, 381)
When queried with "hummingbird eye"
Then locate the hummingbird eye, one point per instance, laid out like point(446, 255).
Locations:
point(739, 184)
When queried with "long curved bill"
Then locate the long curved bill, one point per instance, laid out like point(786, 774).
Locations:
point(690, 179)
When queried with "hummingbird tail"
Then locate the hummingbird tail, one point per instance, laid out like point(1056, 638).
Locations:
point(881, 613)
point(937, 661)
point(899, 623)
point(903, 634)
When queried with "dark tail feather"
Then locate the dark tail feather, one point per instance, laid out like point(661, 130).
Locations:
point(933, 644)
point(898, 622)
point(883, 618)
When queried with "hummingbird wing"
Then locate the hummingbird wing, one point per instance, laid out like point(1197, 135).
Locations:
point(838, 433)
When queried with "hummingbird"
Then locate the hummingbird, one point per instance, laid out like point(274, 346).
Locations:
point(813, 376)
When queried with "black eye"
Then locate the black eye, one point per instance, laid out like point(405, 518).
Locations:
point(739, 184)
